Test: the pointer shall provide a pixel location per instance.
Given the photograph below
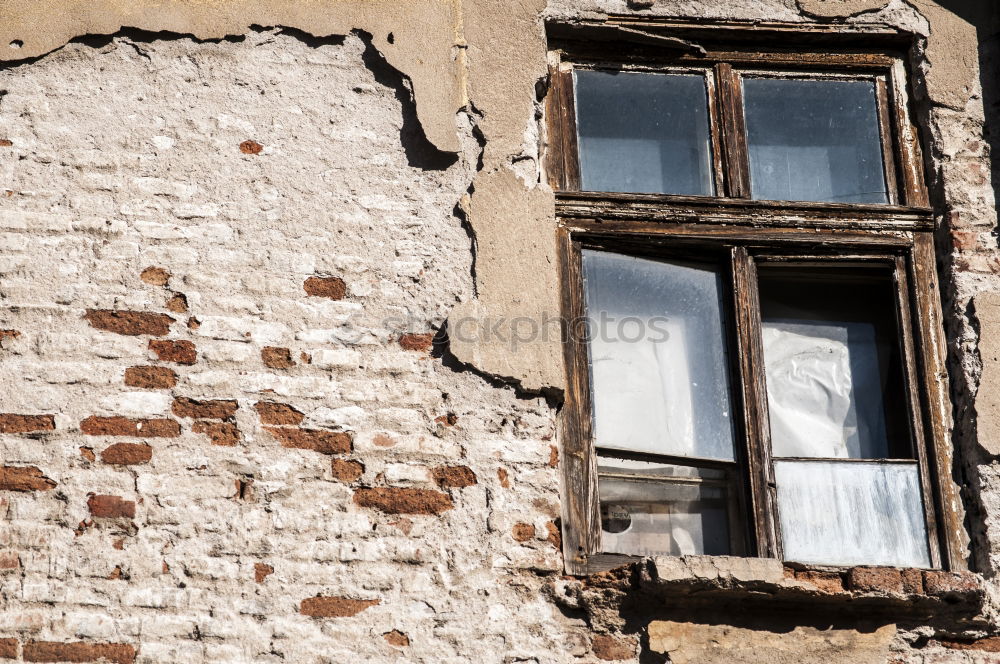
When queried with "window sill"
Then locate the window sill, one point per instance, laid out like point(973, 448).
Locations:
point(711, 582)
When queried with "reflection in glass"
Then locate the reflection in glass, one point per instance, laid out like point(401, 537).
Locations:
point(851, 513)
point(814, 140)
point(832, 364)
point(643, 133)
point(658, 362)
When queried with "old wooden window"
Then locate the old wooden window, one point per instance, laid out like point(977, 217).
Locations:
point(747, 235)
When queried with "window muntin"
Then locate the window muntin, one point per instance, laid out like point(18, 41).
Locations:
point(814, 140)
point(643, 132)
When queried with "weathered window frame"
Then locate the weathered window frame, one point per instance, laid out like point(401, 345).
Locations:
point(899, 234)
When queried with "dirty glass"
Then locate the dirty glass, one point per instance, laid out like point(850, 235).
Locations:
point(658, 362)
point(643, 133)
point(661, 509)
point(832, 364)
point(851, 513)
point(814, 140)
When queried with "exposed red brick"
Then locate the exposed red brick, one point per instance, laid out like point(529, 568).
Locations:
point(131, 323)
point(110, 507)
point(24, 478)
point(9, 560)
point(331, 287)
point(335, 607)
point(116, 573)
point(347, 471)
point(325, 442)
point(127, 454)
point(261, 571)
point(913, 581)
point(12, 423)
point(828, 582)
point(276, 357)
point(448, 420)
point(8, 648)
point(555, 537)
point(155, 276)
point(400, 500)
point(271, 412)
point(875, 579)
point(212, 409)
point(88, 453)
point(382, 440)
point(178, 303)
point(609, 648)
point(553, 456)
point(178, 352)
point(944, 583)
point(193, 323)
point(118, 544)
point(454, 477)
point(78, 651)
point(150, 377)
point(420, 343)
point(225, 434)
point(523, 532)
point(504, 477)
point(251, 147)
point(9, 334)
point(124, 426)
point(6, 143)
point(989, 644)
point(396, 638)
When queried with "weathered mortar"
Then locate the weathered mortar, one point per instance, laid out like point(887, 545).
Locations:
point(257, 173)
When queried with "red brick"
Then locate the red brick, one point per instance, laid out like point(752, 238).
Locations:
point(9, 334)
point(553, 456)
point(335, 607)
point(944, 583)
point(555, 537)
point(454, 477)
point(155, 276)
point(127, 454)
point(8, 648)
point(110, 507)
point(278, 413)
point(9, 560)
point(331, 287)
point(12, 423)
point(448, 419)
point(178, 352)
point(275, 357)
point(178, 303)
point(6, 143)
point(610, 648)
point(396, 638)
point(130, 323)
point(150, 377)
point(88, 454)
point(420, 343)
point(989, 644)
point(78, 651)
point(913, 581)
point(828, 582)
point(522, 532)
point(225, 434)
point(217, 409)
point(251, 147)
point(123, 426)
point(398, 500)
point(504, 477)
point(325, 442)
point(261, 571)
point(347, 471)
point(24, 478)
point(875, 579)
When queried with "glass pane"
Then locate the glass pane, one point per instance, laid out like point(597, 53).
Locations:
point(832, 364)
point(685, 515)
point(658, 362)
point(850, 513)
point(814, 141)
point(643, 133)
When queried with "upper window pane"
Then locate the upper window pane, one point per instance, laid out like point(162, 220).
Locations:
point(658, 356)
point(643, 133)
point(814, 141)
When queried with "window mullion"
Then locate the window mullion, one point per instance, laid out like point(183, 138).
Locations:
point(562, 164)
point(733, 130)
point(750, 360)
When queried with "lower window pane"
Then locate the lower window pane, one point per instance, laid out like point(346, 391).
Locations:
point(684, 513)
point(851, 513)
